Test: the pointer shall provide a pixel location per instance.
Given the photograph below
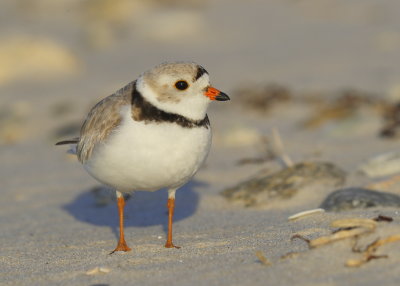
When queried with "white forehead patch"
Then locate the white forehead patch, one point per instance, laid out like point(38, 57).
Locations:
point(204, 80)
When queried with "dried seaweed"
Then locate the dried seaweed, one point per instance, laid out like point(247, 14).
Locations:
point(383, 218)
point(344, 106)
point(291, 254)
point(261, 257)
point(369, 252)
point(262, 99)
point(284, 184)
point(391, 117)
point(354, 228)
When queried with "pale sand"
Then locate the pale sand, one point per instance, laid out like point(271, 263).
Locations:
point(51, 232)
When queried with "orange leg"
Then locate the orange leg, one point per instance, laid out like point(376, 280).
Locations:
point(122, 246)
point(171, 207)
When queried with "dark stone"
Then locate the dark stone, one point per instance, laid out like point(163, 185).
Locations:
point(359, 198)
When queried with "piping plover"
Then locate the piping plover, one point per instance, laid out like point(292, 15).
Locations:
point(154, 133)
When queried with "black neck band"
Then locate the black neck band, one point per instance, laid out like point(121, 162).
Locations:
point(144, 111)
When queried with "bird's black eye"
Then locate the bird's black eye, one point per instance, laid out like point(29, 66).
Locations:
point(181, 85)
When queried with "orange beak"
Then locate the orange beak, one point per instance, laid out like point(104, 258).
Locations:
point(214, 94)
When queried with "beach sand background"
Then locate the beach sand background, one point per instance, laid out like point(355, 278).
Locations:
point(58, 58)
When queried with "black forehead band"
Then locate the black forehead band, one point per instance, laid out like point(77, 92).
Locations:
point(200, 72)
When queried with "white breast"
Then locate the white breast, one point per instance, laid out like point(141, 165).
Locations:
point(140, 156)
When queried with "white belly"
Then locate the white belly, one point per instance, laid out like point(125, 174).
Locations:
point(140, 156)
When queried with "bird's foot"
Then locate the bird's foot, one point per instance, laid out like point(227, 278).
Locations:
point(171, 245)
point(122, 246)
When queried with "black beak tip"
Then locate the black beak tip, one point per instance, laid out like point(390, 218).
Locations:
point(222, 97)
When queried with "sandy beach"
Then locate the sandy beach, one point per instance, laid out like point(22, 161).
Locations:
point(323, 74)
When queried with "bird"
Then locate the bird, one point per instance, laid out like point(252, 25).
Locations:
point(152, 134)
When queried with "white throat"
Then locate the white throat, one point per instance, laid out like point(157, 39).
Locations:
point(193, 107)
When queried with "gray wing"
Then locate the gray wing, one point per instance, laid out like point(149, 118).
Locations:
point(101, 120)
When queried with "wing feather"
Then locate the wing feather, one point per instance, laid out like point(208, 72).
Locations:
point(101, 120)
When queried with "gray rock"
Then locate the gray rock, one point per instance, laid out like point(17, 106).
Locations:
point(263, 189)
point(359, 198)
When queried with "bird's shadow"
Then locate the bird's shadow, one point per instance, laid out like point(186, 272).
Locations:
point(141, 210)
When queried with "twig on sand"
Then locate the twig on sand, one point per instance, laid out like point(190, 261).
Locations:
point(354, 222)
point(261, 257)
point(273, 149)
point(369, 252)
point(305, 213)
point(279, 149)
point(354, 228)
point(290, 255)
point(347, 228)
point(299, 236)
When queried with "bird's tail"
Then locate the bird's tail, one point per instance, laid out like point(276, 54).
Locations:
point(70, 141)
point(72, 149)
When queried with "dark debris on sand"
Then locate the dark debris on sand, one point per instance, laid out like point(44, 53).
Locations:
point(262, 98)
point(391, 116)
point(344, 105)
point(284, 184)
